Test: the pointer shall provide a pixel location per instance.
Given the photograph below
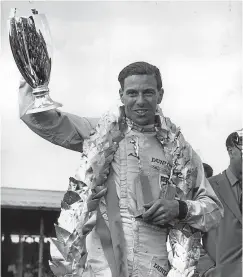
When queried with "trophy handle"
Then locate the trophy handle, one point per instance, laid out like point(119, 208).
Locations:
point(42, 101)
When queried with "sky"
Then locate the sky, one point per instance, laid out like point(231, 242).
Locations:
point(196, 45)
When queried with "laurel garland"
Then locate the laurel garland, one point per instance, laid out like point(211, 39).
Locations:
point(98, 153)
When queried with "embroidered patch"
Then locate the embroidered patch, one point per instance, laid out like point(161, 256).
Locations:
point(163, 183)
point(135, 143)
point(155, 162)
point(163, 180)
point(160, 269)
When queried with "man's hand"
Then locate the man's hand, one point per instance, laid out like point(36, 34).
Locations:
point(161, 211)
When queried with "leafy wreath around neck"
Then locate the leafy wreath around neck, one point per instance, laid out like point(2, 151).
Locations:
point(81, 201)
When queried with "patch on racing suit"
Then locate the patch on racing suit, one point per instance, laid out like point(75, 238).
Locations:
point(160, 269)
point(157, 163)
point(163, 180)
point(163, 183)
point(134, 141)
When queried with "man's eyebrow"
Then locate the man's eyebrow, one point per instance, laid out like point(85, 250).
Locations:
point(131, 90)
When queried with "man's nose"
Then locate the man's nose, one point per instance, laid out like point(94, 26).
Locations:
point(140, 99)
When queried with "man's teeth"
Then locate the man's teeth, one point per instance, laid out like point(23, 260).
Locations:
point(141, 111)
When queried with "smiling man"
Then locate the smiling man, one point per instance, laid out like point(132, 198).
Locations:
point(140, 95)
point(141, 168)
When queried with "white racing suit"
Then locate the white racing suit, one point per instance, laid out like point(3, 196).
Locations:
point(146, 248)
point(145, 243)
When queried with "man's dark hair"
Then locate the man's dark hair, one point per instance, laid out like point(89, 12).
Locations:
point(208, 170)
point(233, 139)
point(140, 68)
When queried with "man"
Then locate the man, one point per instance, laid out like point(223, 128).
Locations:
point(224, 244)
point(207, 170)
point(140, 151)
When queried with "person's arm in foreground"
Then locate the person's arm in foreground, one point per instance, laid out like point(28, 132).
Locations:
point(60, 128)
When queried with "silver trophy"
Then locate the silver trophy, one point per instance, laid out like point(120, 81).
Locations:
point(30, 42)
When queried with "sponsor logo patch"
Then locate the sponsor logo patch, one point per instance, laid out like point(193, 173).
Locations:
point(156, 161)
point(160, 269)
point(163, 180)
point(134, 141)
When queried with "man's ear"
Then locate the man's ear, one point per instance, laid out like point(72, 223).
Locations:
point(121, 95)
point(161, 94)
point(230, 151)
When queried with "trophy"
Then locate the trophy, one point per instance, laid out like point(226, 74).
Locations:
point(30, 42)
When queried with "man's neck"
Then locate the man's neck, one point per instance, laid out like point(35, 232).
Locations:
point(141, 128)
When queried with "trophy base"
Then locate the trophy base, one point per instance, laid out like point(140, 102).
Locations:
point(42, 103)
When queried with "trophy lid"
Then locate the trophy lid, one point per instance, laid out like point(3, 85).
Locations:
point(12, 12)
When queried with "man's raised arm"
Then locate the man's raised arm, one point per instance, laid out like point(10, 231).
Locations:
point(63, 129)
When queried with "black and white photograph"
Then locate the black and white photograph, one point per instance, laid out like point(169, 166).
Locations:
point(121, 138)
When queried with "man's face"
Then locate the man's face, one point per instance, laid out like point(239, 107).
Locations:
point(236, 160)
point(140, 97)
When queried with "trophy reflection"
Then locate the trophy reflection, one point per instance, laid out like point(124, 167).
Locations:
point(30, 42)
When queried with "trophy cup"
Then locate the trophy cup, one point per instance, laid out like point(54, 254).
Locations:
point(30, 42)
